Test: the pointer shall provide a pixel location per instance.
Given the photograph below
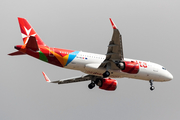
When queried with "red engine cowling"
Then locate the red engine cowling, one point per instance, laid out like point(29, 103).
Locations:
point(131, 67)
point(108, 84)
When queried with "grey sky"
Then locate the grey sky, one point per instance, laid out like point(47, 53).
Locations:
point(150, 31)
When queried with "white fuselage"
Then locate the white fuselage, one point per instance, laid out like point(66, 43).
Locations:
point(89, 63)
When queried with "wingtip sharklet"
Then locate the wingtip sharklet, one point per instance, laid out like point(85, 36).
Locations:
point(113, 24)
point(46, 77)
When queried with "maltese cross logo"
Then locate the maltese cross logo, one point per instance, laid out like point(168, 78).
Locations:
point(27, 35)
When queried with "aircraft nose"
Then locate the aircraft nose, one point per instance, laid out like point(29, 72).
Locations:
point(169, 76)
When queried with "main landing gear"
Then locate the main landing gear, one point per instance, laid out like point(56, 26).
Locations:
point(91, 85)
point(106, 74)
point(97, 82)
point(151, 83)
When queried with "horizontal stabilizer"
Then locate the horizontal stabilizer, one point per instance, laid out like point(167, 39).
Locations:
point(16, 53)
point(32, 44)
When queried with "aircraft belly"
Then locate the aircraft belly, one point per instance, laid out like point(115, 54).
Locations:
point(91, 66)
point(100, 71)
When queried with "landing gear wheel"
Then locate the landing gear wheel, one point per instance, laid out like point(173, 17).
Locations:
point(106, 74)
point(98, 82)
point(152, 88)
point(91, 85)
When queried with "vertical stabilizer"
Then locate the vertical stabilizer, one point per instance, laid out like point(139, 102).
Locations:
point(27, 31)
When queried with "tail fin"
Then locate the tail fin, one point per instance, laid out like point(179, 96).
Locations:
point(27, 31)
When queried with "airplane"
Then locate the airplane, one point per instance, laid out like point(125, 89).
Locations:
point(99, 69)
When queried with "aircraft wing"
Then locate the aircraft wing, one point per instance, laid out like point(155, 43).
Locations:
point(115, 49)
point(69, 80)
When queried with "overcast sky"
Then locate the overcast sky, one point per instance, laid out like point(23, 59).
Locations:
point(150, 31)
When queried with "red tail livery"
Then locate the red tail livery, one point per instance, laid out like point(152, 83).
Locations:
point(27, 31)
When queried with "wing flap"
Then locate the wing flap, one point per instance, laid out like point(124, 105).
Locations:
point(115, 49)
point(115, 46)
point(69, 80)
point(76, 79)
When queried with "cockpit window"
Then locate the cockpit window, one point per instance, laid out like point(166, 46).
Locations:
point(163, 68)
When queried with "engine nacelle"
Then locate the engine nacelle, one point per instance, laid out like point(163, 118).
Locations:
point(108, 84)
point(131, 67)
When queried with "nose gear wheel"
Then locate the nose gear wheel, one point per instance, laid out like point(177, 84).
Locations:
point(151, 83)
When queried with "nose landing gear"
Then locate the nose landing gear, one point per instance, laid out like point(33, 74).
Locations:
point(151, 83)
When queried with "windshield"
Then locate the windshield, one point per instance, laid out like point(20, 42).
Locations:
point(163, 68)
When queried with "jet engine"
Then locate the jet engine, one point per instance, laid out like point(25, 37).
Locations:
point(131, 67)
point(107, 84)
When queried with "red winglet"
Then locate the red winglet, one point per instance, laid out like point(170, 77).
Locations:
point(46, 78)
point(112, 23)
